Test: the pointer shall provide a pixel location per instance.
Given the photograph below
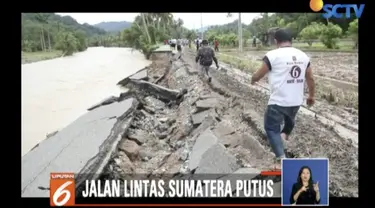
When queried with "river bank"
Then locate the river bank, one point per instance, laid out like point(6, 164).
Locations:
point(171, 123)
point(31, 57)
point(56, 92)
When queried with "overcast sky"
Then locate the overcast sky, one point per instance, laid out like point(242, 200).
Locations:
point(191, 20)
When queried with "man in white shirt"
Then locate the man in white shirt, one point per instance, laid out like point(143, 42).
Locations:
point(288, 69)
point(173, 44)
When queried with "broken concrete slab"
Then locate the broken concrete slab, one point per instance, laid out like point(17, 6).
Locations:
point(131, 149)
point(146, 154)
point(216, 160)
point(209, 95)
point(181, 72)
point(207, 103)
point(231, 140)
point(163, 49)
point(141, 74)
point(198, 118)
point(206, 140)
point(206, 123)
point(171, 165)
point(105, 101)
point(223, 128)
point(155, 103)
point(251, 143)
point(138, 135)
point(158, 91)
point(51, 134)
point(255, 120)
point(163, 120)
point(123, 166)
point(82, 147)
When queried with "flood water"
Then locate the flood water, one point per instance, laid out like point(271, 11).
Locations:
point(56, 92)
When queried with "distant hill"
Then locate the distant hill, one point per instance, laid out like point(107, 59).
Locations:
point(30, 25)
point(113, 26)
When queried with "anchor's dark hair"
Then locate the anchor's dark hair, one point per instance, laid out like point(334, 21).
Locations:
point(299, 180)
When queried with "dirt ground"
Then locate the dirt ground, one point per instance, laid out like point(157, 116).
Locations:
point(336, 74)
point(163, 133)
point(336, 65)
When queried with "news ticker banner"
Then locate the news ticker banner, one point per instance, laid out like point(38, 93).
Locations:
point(268, 187)
point(65, 190)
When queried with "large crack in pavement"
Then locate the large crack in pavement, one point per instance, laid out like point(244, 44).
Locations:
point(179, 125)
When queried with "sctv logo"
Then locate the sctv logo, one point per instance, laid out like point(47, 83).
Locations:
point(331, 9)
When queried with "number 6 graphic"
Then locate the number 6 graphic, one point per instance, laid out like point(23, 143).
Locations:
point(295, 72)
point(59, 192)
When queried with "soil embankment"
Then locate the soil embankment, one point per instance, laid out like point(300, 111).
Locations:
point(177, 123)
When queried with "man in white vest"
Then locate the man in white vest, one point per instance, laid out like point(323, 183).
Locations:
point(288, 69)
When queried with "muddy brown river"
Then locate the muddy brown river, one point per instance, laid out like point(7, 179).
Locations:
point(56, 92)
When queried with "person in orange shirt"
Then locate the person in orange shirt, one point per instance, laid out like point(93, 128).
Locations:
point(216, 43)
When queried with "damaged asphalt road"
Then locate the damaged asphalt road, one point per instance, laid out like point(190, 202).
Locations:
point(180, 125)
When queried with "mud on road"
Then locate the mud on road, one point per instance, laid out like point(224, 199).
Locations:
point(185, 125)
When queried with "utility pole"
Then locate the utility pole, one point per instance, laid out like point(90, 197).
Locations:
point(240, 45)
point(202, 26)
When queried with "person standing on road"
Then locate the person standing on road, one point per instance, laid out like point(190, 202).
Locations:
point(173, 44)
point(288, 69)
point(216, 43)
point(197, 44)
point(205, 56)
point(254, 41)
point(179, 47)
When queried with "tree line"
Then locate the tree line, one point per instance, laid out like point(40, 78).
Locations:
point(306, 27)
point(48, 31)
point(147, 31)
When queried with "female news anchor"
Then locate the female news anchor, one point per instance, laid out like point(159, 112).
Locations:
point(305, 191)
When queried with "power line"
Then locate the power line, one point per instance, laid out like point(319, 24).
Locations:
point(202, 26)
point(240, 45)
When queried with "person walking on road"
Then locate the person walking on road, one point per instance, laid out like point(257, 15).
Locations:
point(288, 69)
point(216, 43)
point(197, 44)
point(205, 56)
point(179, 45)
point(254, 41)
point(173, 44)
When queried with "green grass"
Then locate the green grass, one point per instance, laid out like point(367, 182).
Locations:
point(345, 45)
point(30, 57)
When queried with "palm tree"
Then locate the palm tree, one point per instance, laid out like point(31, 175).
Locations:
point(166, 19)
point(40, 18)
point(145, 26)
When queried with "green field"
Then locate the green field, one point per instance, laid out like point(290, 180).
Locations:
point(30, 57)
point(345, 45)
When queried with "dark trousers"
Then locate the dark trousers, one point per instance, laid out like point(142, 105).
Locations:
point(274, 117)
point(204, 71)
point(217, 48)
